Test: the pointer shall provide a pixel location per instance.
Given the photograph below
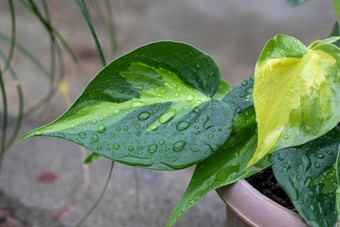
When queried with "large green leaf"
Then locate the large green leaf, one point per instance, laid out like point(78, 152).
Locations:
point(157, 107)
point(296, 93)
point(297, 169)
point(227, 165)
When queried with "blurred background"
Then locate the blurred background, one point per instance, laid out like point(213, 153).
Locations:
point(43, 179)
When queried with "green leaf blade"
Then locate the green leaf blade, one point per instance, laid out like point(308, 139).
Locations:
point(227, 165)
point(157, 107)
point(298, 171)
point(296, 93)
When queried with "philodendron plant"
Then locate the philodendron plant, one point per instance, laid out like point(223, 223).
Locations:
point(164, 106)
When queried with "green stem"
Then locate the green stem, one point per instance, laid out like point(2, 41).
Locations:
point(13, 37)
point(88, 21)
point(4, 117)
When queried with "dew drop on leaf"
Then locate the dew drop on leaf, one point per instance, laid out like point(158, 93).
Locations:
point(125, 128)
point(167, 115)
point(143, 116)
point(137, 126)
point(244, 83)
point(238, 110)
point(116, 146)
point(161, 142)
point(153, 148)
point(249, 90)
point(190, 98)
point(317, 165)
point(101, 128)
point(210, 136)
point(118, 128)
point(82, 134)
point(131, 148)
point(137, 104)
point(320, 156)
point(196, 110)
point(182, 125)
point(179, 145)
point(95, 138)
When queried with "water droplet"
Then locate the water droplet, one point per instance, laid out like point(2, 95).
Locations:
point(242, 95)
point(120, 90)
point(131, 148)
point(101, 128)
point(210, 136)
point(298, 177)
point(99, 148)
point(196, 110)
point(321, 156)
point(213, 147)
point(244, 83)
point(125, 128)
point(317, 165)
point(179, 145)
point(190, 98)
point(182, 125)
point(238, 110)
point(161, 142)
point(167, 115)
point(143, 116)
point(95, 138)
point(116, 111)
point(153, 148)
point(82, 134)
point(116, 146)
point(137, 126)
point(118, 128)
point(249, 90)
point(285, 136)
point(330, 152)
point(137, 104)
point(94, 121)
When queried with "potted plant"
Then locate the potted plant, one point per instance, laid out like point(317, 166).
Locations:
point(163, 106)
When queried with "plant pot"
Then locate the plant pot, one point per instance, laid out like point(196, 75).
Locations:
point(248, 207)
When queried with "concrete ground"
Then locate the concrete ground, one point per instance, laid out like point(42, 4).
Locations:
point(233, 32)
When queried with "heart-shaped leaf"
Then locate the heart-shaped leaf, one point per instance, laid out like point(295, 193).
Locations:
point(297, 171)
point(153, 107)
point(296, 93)
point(227, 165)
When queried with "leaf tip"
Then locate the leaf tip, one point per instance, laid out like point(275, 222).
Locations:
point(30, 134)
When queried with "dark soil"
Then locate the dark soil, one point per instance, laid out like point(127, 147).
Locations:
point(266, 183)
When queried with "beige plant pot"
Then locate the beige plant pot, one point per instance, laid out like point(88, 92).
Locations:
point(248, 207)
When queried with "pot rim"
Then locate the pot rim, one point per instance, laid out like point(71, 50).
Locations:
point(256, 209)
